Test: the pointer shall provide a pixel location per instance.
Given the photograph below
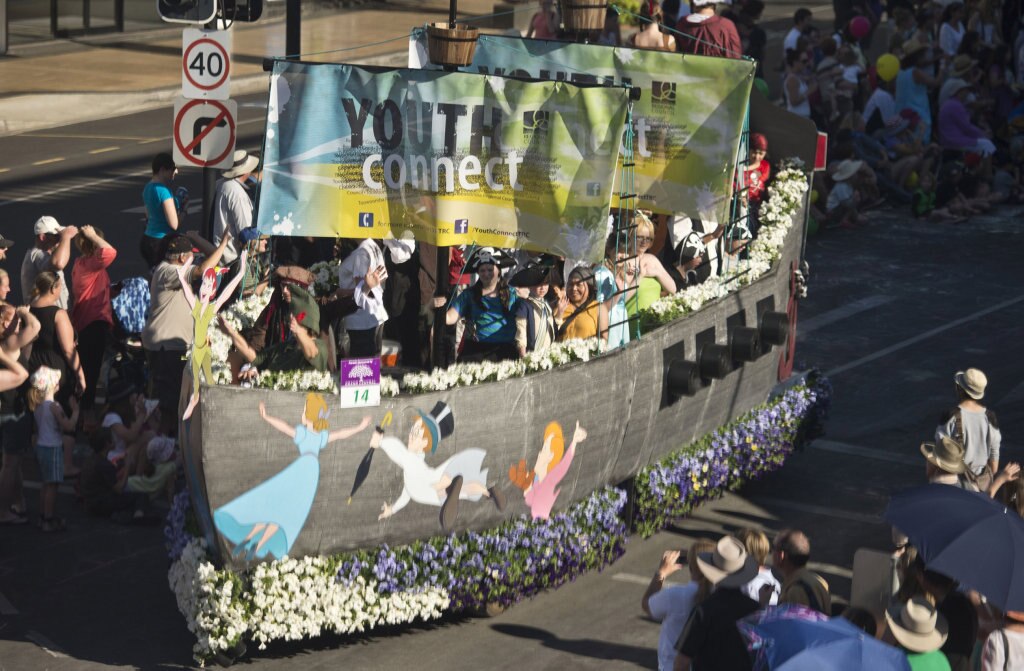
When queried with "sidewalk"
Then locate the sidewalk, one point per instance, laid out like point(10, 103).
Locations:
point(71, 82)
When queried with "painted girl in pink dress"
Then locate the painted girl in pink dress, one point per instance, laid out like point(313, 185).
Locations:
point(540, 485)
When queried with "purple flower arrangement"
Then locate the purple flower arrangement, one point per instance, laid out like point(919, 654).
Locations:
point(756, 443)
point(514, 561)
point(176, 528)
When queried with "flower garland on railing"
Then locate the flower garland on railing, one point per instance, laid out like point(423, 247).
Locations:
point(785, 197)
point(291, 599)
point(745, 449)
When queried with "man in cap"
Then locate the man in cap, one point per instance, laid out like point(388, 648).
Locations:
point(51, 251)
point(790, 554)
point(169, 327)
point(975, 427)
point(710, 639)
point(232, 207)
point(704, 33)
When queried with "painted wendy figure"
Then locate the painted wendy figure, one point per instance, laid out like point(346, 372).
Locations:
point(202, 314)
point(268, 518)
point(540, 486)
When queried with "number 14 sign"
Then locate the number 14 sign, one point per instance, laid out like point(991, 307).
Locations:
point(360, 382)
point(206, 64)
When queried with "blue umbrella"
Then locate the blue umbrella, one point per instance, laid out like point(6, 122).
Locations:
point(966, 536)
point(827, 645)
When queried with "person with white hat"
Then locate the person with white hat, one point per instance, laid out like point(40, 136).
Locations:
point(975, 427)
point(232, 207)
point(843, 199)
point(710, 639)
point(51, 251)
point(920, 631)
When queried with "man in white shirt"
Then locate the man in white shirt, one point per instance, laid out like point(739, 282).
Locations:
point(232, 207)
point(365, 326)
point(801, 19)
point(51, 251)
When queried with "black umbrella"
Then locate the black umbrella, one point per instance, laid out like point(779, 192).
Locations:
point(364, 466)
point(967, 536)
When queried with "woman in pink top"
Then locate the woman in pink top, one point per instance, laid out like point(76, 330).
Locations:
point(544, 24)
point(540, 485)
point(91, 317)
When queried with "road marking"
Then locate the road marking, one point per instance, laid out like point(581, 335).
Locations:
point(104, 150)
point(841, 313)
point(46, 644)
point(923, 336)
point(73, 187)
point(764, 501)
point(639, 579)
point(84, 136)
point(868, 452)
point(154, 139)
point(5, 606)
point(49, 160)
point(3, 170)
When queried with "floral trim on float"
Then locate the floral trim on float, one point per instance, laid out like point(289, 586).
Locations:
point(785, 197)
point(291, 599)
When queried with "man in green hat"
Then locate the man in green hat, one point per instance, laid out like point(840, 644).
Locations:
point(303, 350)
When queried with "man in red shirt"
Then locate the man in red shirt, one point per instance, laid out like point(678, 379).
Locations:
point(704, 33)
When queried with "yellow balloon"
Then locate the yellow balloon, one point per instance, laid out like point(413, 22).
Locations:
point(912, 180)
point(814, 196)
point(887, 67)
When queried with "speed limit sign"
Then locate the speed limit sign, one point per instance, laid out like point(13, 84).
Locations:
point(206, 64)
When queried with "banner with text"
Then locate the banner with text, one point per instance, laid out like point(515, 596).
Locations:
point(449, 158)
point(687, 122)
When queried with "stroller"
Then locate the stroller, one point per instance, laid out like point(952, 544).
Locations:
point(125, 358)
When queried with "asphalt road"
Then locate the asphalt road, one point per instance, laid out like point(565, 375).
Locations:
point(893, 311)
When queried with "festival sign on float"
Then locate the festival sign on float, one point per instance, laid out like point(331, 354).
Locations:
point(448, 158)
point(687, 122)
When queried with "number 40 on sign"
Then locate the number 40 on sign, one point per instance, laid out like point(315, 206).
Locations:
point(206, 64)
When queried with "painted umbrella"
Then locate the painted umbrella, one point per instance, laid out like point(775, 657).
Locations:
point(966, 536)
point(364, 466)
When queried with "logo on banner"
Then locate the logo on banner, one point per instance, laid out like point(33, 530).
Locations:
point(535, 123)
point(663, 94)
point(593, 188)
point(461, 226)
point(366, 220)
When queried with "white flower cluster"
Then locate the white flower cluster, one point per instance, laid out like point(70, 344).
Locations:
point(325, 276)
point(785, 196)
point(206, 597)
point(388, 386)
point(297, 380)
point(287, 599)
point(465, 374)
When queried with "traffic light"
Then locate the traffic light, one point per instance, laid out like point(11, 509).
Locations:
point(240, 10)
point(187, 11)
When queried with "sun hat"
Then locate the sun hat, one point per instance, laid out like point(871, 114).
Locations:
point(947, 454)
point(5, 243)
point(44, 378)
point(973, 382)
point(47, 225)
point(846, 170)
point(242, 164)
point(916, 625)
point(951, 88)
point(962, 66)
point(729, 565)
point(912, 46)
point(160, 449)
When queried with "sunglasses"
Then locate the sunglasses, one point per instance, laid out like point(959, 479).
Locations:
point(644, 238)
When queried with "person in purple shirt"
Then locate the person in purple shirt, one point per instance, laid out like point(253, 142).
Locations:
point(955, 128)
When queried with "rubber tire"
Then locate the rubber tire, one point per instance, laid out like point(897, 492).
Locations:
point(774, 328)
point(745, 344)
point(683, 378)
point(714, 362)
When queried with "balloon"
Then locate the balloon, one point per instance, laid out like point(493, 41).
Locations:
point(859, 27)
point(912, 180)
point(887, 67)
point(814, 196)
point(762, 86)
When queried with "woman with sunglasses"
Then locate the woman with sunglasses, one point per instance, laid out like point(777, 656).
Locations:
point(798, 86)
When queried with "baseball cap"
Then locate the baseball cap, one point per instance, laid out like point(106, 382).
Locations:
point(5, 243)
point(47, 225)
point(179, 244)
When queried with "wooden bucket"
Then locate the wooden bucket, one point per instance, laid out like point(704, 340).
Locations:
point(579, 16)
point(451, 46)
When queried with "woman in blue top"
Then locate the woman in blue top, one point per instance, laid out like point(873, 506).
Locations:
point(163, 211)
point(490, 306)
point(268, 517)
point(912, 84)
point(616, 283)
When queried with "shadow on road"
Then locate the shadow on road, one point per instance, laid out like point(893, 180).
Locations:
point(584, 647)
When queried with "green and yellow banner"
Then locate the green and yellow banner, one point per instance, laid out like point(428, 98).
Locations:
point(687, 122)
point(449, 158)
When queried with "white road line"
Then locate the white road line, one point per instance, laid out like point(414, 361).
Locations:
point(868, 452)
point(46, 161)
point(104, 150)
point(46, 644)
point(923, 336)
point(638, 579)
point(863, 518)
point(841, 313)
point(73, 187)
point(6, 608)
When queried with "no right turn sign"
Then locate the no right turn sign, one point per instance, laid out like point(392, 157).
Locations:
point(204, 132)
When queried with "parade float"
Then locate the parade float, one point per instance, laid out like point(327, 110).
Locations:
point(557, 456)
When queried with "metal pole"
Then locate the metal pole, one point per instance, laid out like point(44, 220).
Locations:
point(452, 7)
point(119, 15)
point(209, 184)
point(293, 29)
point(439, 348)
point(3, 27)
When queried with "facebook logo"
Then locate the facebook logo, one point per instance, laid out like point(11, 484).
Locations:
point(366, 220)
point(593, 188)
point(461, 226)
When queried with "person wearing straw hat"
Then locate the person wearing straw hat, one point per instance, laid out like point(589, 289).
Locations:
point(843, 199)
point(710, 639)
point(704, 33)
point(975, 427)
point(945, 461)
point(920, 631)
point(956, 607)
point(232, 207)
point(1004, 648)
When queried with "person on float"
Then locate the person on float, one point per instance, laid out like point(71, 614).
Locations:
point(588, 317)
point(535, 322)
point(489, 306)
point(268, 518)
point(461, 476)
